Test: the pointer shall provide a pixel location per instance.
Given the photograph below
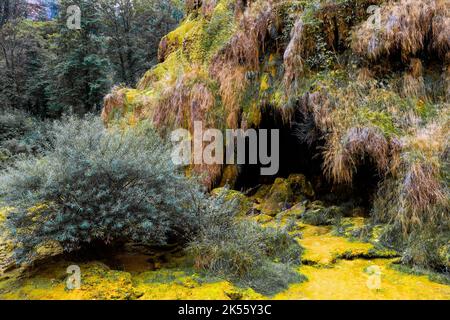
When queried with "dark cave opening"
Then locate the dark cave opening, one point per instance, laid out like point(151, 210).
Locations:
point(294, 156)
point(299, 157)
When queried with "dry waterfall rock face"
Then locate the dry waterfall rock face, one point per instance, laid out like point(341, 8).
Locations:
point(362, 85)
point(229, 61)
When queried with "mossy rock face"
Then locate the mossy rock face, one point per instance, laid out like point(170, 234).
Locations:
point(300, 186)
point(244, 203)
point(285, 193)
point(278, 199)
point(6, 246)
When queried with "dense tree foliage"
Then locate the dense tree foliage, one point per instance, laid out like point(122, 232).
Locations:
point(48, 69)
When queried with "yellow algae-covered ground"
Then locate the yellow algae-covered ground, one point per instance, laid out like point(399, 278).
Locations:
point(350, 280)
point(323, 249)
point(336, 268)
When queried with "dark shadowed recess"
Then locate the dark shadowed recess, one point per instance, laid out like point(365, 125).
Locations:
point(299, 157)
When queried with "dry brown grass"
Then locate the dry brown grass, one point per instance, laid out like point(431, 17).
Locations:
point(441, 28)
point(189, 99)
point(343, 155)
point(421, 195)
point(112, 101)
point(413, 82)
point(245, 47)
point(192, 5)
point(406, 27)
point(293, 62)
point(364, 75)
point(240, 55)
point(356, 123)
point(322, 23)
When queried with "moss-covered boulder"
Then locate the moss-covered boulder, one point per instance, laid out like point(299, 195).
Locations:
point(100, 282)
point(300, 186)
point(279, 198)
point(229, 176)
point(284, 193)
point(245, 205)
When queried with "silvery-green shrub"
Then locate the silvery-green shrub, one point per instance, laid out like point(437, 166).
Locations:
point(98, 184)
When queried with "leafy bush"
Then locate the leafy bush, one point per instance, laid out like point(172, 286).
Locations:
point(98, 185)
point(244, 251)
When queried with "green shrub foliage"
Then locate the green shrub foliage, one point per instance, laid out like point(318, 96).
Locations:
point(99, 185)
point(243, 251)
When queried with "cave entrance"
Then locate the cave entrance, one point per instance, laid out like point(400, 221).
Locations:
point(294, 155)
point(298, 157)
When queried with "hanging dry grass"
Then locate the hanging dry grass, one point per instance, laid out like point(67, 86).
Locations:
point(240, 55)
point(245, 47)
point(356, 122)
point(420, 195)
point(406, 26)
point(293, 62)
point(441, 28)
point(189, 99)
point(342, 158)
point(113, 101)
point(413, 82)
